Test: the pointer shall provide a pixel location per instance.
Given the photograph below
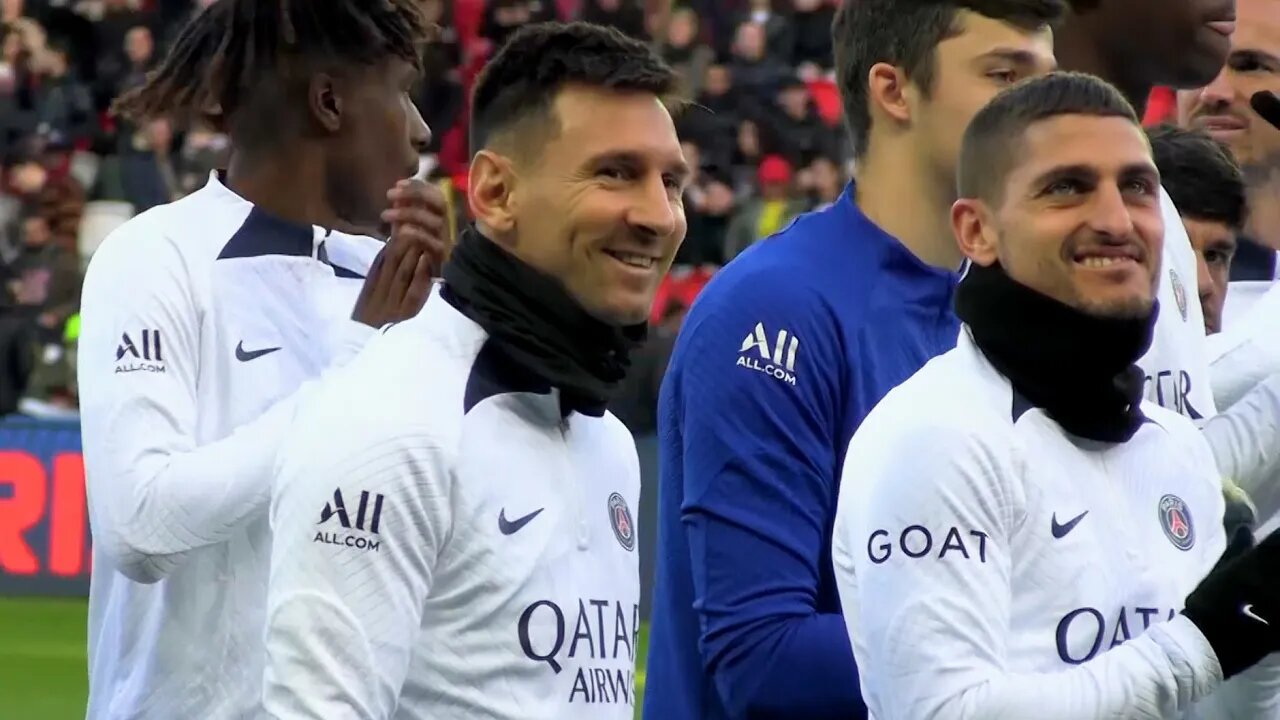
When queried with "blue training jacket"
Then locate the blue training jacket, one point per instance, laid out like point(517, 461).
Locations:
point(781, 357)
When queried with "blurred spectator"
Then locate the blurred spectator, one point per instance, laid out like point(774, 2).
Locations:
point(802, 134)
point(748, 156)
point(708, 204)
point(24, 179)
point(43, 284)
point(203, 151)
point(811, 23)
point(777, 34)
point(821, 182)
point(124, 43)
point(44, 277)
point(130, 71)
point(503, 17)
point(625, 15)
point(148, 170)
point(767, 213)
point(63, 104)
point(713, 122)
point(22, 48)
point(440, 96)
point(683, 51)
point(636, 401)
point(10, 10)
point(757, 72)
point(61, 200)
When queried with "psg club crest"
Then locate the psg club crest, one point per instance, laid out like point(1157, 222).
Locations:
point(624, 528)
point(1179, 293)
point(1175, 520)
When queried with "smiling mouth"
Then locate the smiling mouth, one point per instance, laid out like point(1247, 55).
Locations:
point(1104, 258)
point(635, 260)
point(1220, 124)
point(1096, 261)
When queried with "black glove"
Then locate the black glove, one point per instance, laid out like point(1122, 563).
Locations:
point(1267, 105)
point(1237, 605)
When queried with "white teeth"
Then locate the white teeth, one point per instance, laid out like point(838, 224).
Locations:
point(640, 261)
point(1097, 262)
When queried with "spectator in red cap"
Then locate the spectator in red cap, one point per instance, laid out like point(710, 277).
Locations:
point(766, 213)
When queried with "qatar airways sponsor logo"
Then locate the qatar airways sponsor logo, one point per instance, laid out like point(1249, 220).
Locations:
point(1171, 389)
point(1085, 632)
point(592, 645)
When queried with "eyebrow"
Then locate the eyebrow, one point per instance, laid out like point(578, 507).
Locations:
point(1142, 170)
point(1013, 55)
point(1259, 56)
point(1224, 243)
point(1064, 171)
point(679, 168)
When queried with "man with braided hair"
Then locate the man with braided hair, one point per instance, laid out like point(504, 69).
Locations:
point(203, 321)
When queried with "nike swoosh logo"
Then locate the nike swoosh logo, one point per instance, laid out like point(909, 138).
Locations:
point(246, 355)
point(510, 527)
point(1248, 612)
point(1059, 530)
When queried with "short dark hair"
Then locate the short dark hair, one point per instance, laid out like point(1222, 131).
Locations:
point(222, 57)
point(520, 83)
point(906, 33)
point(994, 138)
point(1200, 174)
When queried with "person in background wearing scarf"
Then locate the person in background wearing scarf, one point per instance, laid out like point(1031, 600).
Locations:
point(1018, 533)
point(475, 500)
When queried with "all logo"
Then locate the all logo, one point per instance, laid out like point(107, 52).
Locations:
point(1179, 293)
point(146, 355)
point(1175, 520)
point(338, 508)
point(624, 528)
point(776, 359)
point(368, 516)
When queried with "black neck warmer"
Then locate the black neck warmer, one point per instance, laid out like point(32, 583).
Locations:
point(535, 323)
point(1078, 368)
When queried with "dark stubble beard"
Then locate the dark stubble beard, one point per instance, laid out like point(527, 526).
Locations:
point(1128, 309)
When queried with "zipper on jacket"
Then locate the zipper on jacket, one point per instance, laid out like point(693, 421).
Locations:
point(582, 527)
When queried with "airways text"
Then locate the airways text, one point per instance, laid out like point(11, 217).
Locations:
point(603, 631)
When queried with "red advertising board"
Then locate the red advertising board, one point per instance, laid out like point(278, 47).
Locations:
point(44, 527)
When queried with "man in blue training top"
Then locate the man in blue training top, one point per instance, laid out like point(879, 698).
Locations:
point(792, 344)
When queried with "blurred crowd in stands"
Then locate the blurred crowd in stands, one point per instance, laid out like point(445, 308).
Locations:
point(764, 134)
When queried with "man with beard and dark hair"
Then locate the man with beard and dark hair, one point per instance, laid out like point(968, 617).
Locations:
point(1056, 551)
point(475, 499)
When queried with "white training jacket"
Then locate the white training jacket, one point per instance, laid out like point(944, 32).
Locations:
point(448, 545)
point(992, 567)
point(1246, 378)
point(198, 316)
point(1177, 364)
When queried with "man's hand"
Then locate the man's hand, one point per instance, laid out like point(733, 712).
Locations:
point(417, 213)
point(401, 276)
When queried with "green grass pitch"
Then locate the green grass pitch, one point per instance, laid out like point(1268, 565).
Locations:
point(42, 666)
point(42, 659)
